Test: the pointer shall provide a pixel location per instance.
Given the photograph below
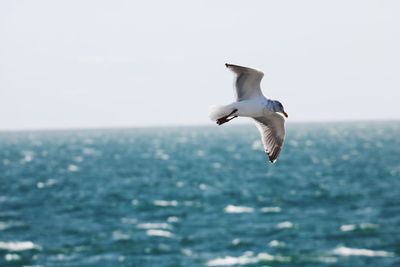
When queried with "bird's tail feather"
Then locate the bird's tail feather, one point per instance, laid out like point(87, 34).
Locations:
point(219, 111)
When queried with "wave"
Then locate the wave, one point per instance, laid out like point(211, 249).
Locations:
point(18, 246)
point(346, 251)
point(238, 209)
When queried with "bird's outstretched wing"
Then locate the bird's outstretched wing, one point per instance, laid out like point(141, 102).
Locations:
point(247, 82)
point(272, 130)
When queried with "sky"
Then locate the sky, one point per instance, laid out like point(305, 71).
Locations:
point(88, 64)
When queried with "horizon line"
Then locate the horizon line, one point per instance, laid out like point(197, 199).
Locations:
point(151, 126)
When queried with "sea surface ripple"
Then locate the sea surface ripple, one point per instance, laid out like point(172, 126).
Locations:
point(201, 196)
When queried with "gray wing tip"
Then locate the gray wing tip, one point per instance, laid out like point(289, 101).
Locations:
point(228, 65)
point(271, 159)
point(243, 69)
point(273, 155)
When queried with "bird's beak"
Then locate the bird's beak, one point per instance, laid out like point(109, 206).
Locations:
point(286, 115)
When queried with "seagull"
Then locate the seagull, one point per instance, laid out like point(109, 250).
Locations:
point(250, 102)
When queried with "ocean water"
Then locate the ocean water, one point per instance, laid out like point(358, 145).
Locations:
point(201, 196)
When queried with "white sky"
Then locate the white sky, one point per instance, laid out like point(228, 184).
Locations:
point(67, 64)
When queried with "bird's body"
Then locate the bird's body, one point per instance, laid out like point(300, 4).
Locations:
point(250, 108)
point(252, 103)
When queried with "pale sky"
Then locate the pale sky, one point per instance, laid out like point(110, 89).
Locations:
point(79, 64)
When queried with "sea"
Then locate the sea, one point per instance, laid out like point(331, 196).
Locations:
point(201, 196)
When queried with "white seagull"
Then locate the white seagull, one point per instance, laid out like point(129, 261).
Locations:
point(250, 102)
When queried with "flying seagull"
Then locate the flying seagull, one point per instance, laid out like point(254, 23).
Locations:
point(250, 102)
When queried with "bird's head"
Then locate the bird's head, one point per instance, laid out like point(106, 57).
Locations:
point(278, 107)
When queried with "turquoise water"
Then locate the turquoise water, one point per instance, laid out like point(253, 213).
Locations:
point(201, 196)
